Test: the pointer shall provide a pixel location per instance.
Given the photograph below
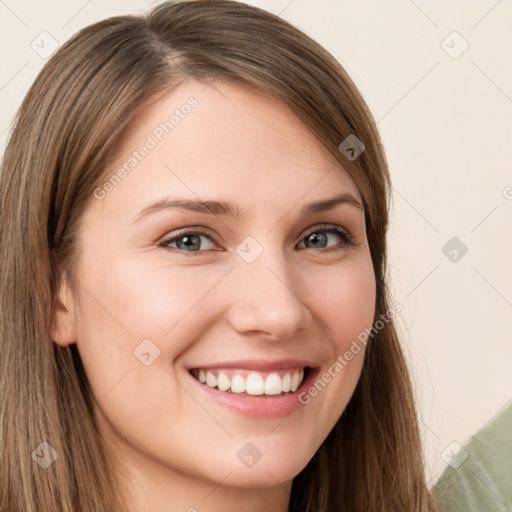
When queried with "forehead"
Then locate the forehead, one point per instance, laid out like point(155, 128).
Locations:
point(227, 140)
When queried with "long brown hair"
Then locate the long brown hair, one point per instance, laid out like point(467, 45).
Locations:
point(66, 133)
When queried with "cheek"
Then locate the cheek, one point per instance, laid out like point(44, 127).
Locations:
point(148, 300)
point(127, 303)
point(125, 306)
point(345, 308)
point(344, 299)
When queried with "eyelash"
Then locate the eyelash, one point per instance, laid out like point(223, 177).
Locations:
point(342, 233)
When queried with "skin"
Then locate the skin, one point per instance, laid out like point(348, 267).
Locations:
point(178, 449)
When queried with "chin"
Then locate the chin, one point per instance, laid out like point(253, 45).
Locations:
point(262, 476)
point(281, 467)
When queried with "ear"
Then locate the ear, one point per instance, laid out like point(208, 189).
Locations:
point(64, 322)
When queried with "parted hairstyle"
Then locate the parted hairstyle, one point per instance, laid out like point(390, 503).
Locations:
point(65, 134)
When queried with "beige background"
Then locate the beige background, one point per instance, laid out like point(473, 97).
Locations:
point(446, 121)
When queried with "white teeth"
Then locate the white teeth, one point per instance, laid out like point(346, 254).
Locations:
point(254, 384)
point(237, 384)
point(286, 383)
point(211, 380)
point(273, 384)
point(223, 382)
point(295, 382)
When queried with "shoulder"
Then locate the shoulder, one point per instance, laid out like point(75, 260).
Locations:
point(480, 479)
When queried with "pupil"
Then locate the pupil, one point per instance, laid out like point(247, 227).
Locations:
point(188, 241)
point(314, 238)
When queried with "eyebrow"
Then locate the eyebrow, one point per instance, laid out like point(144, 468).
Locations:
point(228, 209)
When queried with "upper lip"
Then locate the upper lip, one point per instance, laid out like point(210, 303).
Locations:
point(260, 365)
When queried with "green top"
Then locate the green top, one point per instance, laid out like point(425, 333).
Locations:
point(479, 477)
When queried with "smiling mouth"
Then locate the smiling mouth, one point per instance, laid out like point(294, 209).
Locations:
point(252, 382)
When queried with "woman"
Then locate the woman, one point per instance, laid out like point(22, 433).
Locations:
point(175, 334)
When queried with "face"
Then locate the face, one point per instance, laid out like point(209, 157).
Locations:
point(265, 300)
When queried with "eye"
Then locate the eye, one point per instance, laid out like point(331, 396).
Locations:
point(187, 241)
point(191, 241)
point(320, 236)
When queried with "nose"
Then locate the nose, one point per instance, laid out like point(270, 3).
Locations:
point(266, 299)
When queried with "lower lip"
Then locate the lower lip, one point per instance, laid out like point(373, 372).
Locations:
point(259, 406)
